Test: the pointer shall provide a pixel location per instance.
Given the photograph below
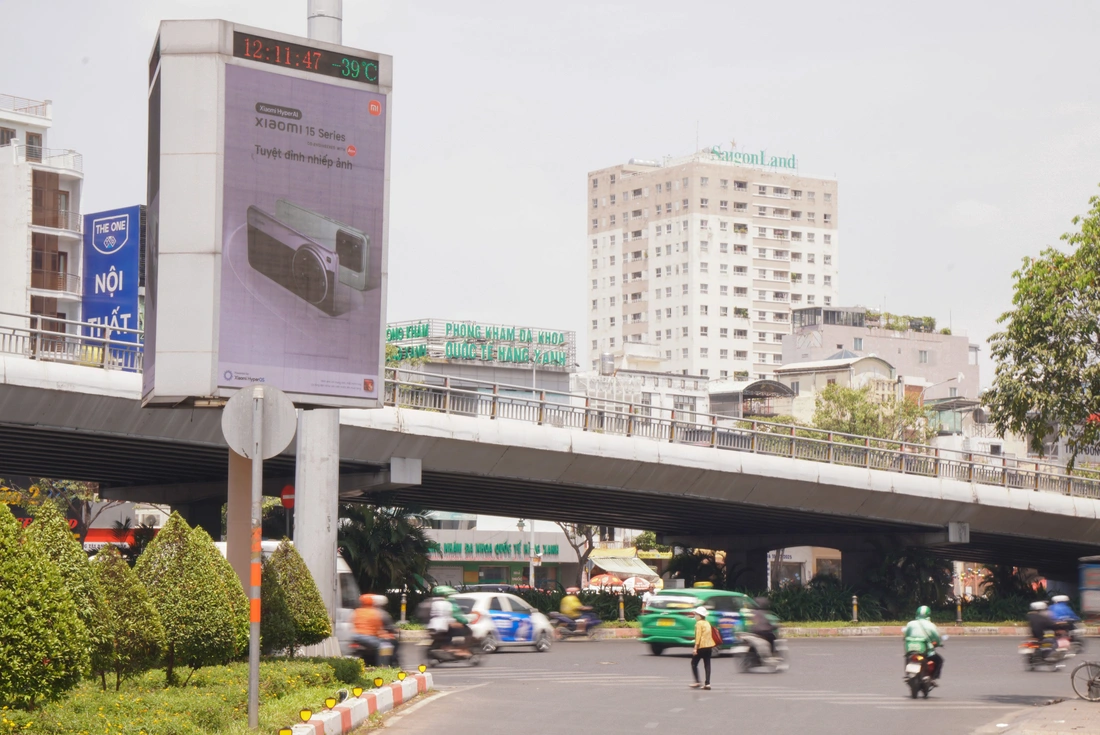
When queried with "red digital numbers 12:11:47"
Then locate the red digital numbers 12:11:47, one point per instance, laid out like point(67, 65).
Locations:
point(286, 55)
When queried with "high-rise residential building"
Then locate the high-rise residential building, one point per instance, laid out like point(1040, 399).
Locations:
point(40, 221)
point(705, 257)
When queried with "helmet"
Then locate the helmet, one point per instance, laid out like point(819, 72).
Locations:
point(1038, 605)
point(1060, 598)
point(443, 591)
point(366, 600)
point(923, 613)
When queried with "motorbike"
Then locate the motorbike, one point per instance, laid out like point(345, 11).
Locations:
point(466, 649)
point(1052, 652)
point(753, 652)
point(919, 673)
point(383, 654)
point(566, 627)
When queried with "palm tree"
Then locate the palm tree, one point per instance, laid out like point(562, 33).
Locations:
point(386, 547)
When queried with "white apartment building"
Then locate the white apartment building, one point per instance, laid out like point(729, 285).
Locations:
point(40, 221)
point(705, 257)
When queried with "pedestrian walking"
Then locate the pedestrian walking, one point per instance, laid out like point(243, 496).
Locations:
point(704, 647)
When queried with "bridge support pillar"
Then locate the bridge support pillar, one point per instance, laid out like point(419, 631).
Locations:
point(751, 568)
point(238, 517)
point(855, 565)
point(317, 498)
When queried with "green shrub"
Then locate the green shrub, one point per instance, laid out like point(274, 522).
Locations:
point(307, 609)
point(231, 585)
point(345, 669)
point(44, 646)
point(50, 536)
point(276, 623)
point(190, 598)
point(136, 635)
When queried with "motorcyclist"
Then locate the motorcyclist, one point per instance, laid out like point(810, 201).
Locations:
point(1065, 619)
point(762, 625)
point(572, 608)
point(368, 623)
point(922, 636)
point(448, 621)
point(388, 634)
point(1040, 622)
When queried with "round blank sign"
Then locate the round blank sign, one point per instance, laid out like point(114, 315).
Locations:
point(280, 420)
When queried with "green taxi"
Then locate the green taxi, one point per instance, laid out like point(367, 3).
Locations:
point(669, 620)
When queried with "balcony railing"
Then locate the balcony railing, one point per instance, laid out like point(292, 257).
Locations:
point(24, 106)
point(56, 281)
point(52, 157)
point(61, 219)
point(41, 338)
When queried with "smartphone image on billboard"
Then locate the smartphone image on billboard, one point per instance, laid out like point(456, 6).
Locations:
point(296, 262)
point(352, 246)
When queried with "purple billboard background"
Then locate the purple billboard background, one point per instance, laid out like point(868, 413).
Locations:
point(303, 207)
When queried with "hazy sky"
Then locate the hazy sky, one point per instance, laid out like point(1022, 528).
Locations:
point(964, 135)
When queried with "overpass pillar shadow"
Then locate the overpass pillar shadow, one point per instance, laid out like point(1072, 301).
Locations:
point(750, 568)
point(855, 566)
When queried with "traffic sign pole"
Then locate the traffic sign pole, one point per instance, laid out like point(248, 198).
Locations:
point(257, 557)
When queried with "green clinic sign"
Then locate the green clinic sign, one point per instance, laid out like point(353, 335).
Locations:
point(470, 341)
point(754, 159)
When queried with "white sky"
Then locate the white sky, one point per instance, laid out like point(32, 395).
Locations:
point(964, 135)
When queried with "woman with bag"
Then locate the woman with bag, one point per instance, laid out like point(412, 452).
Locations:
point(704, 646)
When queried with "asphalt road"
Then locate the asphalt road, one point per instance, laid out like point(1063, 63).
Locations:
point(834, 686)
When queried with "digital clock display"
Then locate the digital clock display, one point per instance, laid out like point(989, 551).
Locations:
point(296, 56)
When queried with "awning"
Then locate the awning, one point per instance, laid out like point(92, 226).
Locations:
point(624, 568)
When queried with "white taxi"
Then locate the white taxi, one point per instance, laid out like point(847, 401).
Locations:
point(501, 619)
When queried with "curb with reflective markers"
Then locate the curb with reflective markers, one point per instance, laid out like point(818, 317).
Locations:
point(793, 631)
point(354, 711)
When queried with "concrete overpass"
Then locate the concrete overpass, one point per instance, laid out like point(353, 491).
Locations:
point(699, 480)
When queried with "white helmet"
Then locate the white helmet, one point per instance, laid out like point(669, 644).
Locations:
point(1038, 605)
point(1060, 598)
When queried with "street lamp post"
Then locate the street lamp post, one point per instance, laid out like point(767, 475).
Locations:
point(530, 552)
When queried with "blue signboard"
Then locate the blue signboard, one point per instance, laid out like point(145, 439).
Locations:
point(112, 251)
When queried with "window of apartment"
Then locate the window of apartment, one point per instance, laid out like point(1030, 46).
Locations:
point(723, 205)
point(703, 310)
point(703, 331)
point(828, 301)
point(796, 236)
point(704, 352)
point(922, 357)
point(828, 239)
point(611, 342)
point(612, 301)
point(796, 298)
point(668, 354)
point(6, 136)
point(684, 352)
point(828, 197)
point(704, 246)
point(702, 288)
point(761, 295)
point(668, 332)
point(685, 289)
point(810, 257)
point(611, 321)
point(595, 283)
point(740, 207)
point(953, 392)
point(741, 333)
point(809, 237)
point(668, 210)
point(668, 314)
point(740, 291)
point(703, 268)
point(796, 193)
point(796, 214)
point(810, 299)
point(612, 220)
point(612, 200)
point(762, 191)
point(668, 290)
point(857, 344)
point(723, 290)
point(636, 235)
point(828, 260)
point(828, 218)
point(612, 280)
point(723, 226)
point(684, 182)
point(794, 387)
point(761, 336)
point(636, 213)
point(636, 296)
point(761, 231)
point(779, 295)
point(810, 195)
point(762, 211)
point(612, 261)
point(596, 222)
point(828, 280)
point(596, 182)
point(659, 186)
point(761, 272)
point(810, 216)
point(741, 185)
point(810, 278)
point(684, 310)
point(595, 262)
point(683, 331)
point(593, 303)
point(595, 203)
point(723, 247)
point(740, 249)
point(657, 315)
point(762, 316)
point(723, 332)
point(723, 311)
point(595, 344)
point(703, 224)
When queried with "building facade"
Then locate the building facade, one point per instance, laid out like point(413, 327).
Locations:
point(705, 257)
point(927, 362)
point(40, 221)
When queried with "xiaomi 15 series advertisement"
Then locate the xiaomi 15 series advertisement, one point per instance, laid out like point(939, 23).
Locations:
point(302, 243)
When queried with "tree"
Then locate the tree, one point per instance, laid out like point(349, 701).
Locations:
point(581, 537)
point(855, 411)
point(50, 536)
point(137, 537)
point(647, 541)
point(1047, 378)
point(190, 598)
point(276, 623)
point(908, 578)
point(78, 500)
point(386, 547)
point(231, 587)
point(307, 609)
point(44, 646)
point(136, 635)
point(1000, 581)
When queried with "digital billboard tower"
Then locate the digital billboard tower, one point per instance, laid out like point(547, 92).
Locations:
point(268, 192)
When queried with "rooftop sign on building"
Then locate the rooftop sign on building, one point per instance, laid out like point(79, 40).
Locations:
point(760, 158)
point(483, 342)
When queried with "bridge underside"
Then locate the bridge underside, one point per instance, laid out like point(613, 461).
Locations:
point(178, 457)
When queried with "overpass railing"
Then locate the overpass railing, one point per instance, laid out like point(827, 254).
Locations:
point(427, 392)
point(50, 339)
point(60, 340)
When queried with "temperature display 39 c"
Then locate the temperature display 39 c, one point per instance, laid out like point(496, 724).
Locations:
point(304, 58)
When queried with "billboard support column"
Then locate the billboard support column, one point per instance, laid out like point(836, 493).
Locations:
point(317, 498)
point(238, 516)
